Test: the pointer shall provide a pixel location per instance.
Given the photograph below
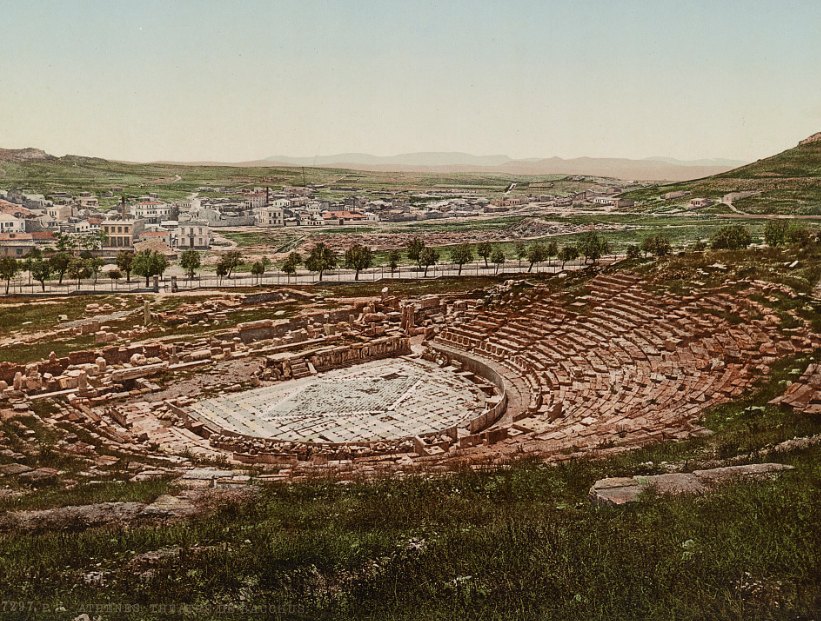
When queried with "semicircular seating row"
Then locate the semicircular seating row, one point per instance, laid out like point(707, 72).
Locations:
point(625, 364)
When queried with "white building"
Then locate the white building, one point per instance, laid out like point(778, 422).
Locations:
point(60, 213)
point(196, 235)
point(269, 216)
point(151, 211)
point(11, 224)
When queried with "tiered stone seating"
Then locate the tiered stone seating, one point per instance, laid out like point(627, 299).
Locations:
point(626, 364)
point(804, 394)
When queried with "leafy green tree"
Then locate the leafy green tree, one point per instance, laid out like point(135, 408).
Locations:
point(115, 275)
point(125, 261)
point(592, 245)
point(290, 264)
point(484, 250)
point(94, 264)
point(9, 267)
point(394, 256)
point(552, 250)
point(428, 257)
point(28, 262)
point(91, 241)
point(65, 242)
point(59, 264)
point(521, 251)
point(801, 235)
point(732, 237)
point(320, 259)
point(415, 247)
point(40, 270)
point(190, 261)
point(497, 257)
point(568, 253)
point(633, 251)
point(230, 261)
point(78, 268)
point(536, 253)
point(775, 232)
point(461, 254)
point(658, 245)
point(148, 263)
point(358, 258)
point(257, 269)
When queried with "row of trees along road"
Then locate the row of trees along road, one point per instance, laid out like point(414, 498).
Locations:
point(76, 260)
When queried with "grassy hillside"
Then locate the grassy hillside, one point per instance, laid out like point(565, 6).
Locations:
point(174, 181)
point(789, 183)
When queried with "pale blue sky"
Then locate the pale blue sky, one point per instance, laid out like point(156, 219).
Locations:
point(241, 80)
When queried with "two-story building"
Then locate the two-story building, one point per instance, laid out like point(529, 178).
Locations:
point(121, 233)
point(192, 235)
point(269, 216)
point(153, 212)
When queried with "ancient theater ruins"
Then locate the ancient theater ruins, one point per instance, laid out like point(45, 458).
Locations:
point(589, 363)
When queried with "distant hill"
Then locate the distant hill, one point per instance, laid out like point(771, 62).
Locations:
point(649, 169)
point(24, 155)
point(787, 183)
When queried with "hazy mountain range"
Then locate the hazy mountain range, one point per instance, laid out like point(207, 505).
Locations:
point(649, 169)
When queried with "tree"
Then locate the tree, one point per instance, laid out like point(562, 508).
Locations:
point(125, 261)
point(592, 246)
point(521, 251)
point(461, 254)
point(358, 257)
point(801, 235)
point(732, 237)
point(633, 251)
point(148, 263)
point(775, 232)
point(484, 250)
point(291, 263)
point(64, 242)
point(8, 270)
point(257, 269)
point(536, 253)
point(658, 245)
point(321, 258)
point(415, 247)
point(428, 257)
point(568, 253)
point(59, 264)
point(40, 270)
point(230, 261)
point(78, 268)
point(498, 258)
point(394, 256)
point(266, 263)
point(115, 275)
point(92, 241)
point(28, 262)
point(552, 250)
point(190, 261)
point(94, 265)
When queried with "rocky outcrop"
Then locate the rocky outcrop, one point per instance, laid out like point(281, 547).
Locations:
point(622, 490)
